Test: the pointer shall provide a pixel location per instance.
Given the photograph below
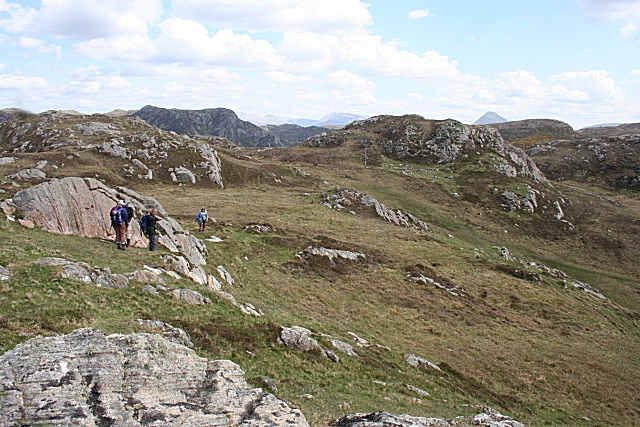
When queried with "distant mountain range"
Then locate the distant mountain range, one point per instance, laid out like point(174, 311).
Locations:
point(489, 118)
point(337, 119)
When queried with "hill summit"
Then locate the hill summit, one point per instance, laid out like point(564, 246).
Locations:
point(489, 118)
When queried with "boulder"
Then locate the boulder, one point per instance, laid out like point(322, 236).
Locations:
point(297, 338)
point(145, 276)
point(87, 379)
point(414, 360)
point(189, 296)
point(26, 223)
point(6, 160)
point(344, 347)
point(5, 274)
point(510, 201)
point(385, 419)
point(184, 174)
point(28, 174)
point(8, 207)
point(170, 333)
point(495, 419)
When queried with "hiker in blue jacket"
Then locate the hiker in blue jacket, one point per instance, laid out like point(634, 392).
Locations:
point(202, 218)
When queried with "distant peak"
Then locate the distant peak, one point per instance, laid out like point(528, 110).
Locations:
point(489, 118)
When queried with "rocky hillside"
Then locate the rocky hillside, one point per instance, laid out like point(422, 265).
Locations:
point(13, 114)
point(90, 145)
point(396, 266)
point(224, 123)
point(526, 132)
point(608, 157)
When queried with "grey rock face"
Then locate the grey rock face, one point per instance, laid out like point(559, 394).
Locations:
point(211, 164)
point(170, 333)
point(414, 360)
point(5, 274)
point(28, 174)
point(510, 201)
point(297, 338)
point(384, 419)
point(355, 198)
point(78, 206)
point(189, 296)
point(184, 174)
point(344, 347)
point(87, 379)
point(7, 160)
point(334, 254)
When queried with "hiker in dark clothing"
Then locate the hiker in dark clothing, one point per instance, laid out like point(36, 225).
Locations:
point(120, 221)
point(151, 221)
point(130, 215)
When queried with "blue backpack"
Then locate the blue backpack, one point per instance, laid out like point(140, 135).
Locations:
point(143, 222)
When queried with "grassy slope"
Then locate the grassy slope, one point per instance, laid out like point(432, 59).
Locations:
point(541, 353)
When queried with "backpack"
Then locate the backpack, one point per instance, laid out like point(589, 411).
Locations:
point(116, 215)
point(130, 212)
point(143, 222)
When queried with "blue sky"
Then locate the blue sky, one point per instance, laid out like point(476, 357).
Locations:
point(572, 60)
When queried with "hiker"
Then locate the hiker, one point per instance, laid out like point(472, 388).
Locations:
point(202, 218)
point(149, 222)
point(119, 222)
point(131, 215)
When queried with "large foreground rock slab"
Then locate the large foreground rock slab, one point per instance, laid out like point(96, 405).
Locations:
point(89, 379)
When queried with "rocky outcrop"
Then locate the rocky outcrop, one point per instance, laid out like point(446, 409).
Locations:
point(333, 254)
point(87, 379)
point(190, 297)
point(385, 419)
point(169, 332)
point(211, 163)
point(81, 206)
point(27, 174)
point(414, 360)
point(78, 206)
point(299, 339)
point(83, 272)
point(349, 200)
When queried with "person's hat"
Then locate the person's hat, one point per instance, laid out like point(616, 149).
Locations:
point(120, 202)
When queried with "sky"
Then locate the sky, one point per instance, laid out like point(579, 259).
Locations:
point(573, 60)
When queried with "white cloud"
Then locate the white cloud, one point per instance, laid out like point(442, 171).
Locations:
point(627, 31)
point(415, 96)
point(283, 15)
point(1, 65)
point(82, 19)
point(91, 80)
point(189, 41)
point(40, 46)
point(420, 13)
point(635, 72)
point(600, 87)
point(611, 10)
point(342, 79)
point(132, 47)
point(13, 81)
point(281, 77)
